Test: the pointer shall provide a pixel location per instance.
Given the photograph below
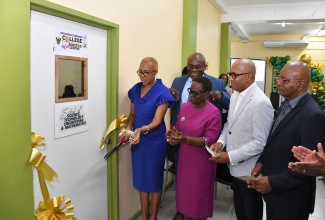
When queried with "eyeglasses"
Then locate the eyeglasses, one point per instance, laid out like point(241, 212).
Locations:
point(194, 93)
point(197, 67)
point(282, 80)
point(145, 73)
point(234, 75)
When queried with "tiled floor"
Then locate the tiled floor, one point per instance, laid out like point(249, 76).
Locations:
point(224, 208)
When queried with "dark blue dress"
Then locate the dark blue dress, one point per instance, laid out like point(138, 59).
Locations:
point(148, 156)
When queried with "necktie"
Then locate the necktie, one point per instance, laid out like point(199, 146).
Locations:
point(283, 111)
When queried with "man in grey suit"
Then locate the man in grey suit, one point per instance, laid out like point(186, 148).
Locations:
point(196, 66)
point(245, 133)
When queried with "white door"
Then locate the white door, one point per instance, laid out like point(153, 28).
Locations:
point(75, 158)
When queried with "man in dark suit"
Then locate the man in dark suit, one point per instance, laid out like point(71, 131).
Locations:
point(300, 121)
point(196, 65)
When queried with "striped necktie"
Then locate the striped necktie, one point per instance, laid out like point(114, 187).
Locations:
point(283, 111)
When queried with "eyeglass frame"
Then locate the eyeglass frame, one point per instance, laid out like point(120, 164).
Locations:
point(145, 73)
point(196, 67)
point(194, 93)
point(282, 80)
point(234, 75)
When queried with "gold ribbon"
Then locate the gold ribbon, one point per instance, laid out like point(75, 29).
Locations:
point(37, 160)
point(37, 140)
point(49, 209)
point(62, 209)
point(118, 123)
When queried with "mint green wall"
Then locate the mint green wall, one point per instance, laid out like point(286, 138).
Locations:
point(225, 43)
point(189, 38)
point(16, 186)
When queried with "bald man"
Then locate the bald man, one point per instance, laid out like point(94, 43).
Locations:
point(250, 117)
point(300, 121)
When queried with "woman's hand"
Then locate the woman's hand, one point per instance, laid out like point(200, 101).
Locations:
point(174, 137)
point(137, 134)
point(123, 137)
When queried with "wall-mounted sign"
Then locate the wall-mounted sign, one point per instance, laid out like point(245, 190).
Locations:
point(71, 118)
point(69, 42)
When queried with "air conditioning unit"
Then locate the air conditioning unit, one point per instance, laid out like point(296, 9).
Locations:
point(285, 43)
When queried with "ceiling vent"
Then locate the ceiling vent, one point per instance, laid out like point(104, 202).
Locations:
point(285, 43)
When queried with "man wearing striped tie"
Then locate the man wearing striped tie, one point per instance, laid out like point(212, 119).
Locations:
point(300, 121)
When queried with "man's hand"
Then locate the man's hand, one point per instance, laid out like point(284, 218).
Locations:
point(215, 96)
point(304, 154)
point(216, 147)
point(312, 164)
point(221, 157)
point(262, 186)
point(174, 93)
point(257, 171)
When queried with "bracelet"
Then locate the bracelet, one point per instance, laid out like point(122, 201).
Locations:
point(187, 140)
point(147, 129)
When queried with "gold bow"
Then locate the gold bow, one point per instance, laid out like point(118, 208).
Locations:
point(57, 213)
point(37, 140)
point(49, 209)
point(118, 123)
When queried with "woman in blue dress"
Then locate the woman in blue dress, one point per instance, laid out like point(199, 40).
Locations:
point(150, 100)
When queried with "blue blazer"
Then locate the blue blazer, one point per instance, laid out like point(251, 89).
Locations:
point(217, 84)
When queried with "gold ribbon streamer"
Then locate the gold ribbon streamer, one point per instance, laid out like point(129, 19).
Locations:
point(118, 123)
point(37, 160)
point(49, 209)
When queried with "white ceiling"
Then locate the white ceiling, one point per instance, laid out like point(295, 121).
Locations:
point(253, 17)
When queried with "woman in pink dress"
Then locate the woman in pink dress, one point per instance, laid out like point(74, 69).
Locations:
point(198, 123)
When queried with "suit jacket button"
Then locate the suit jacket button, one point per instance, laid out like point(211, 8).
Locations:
point(229, 132)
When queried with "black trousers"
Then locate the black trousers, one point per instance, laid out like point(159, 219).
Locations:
point(248, 202)
point(285, 214)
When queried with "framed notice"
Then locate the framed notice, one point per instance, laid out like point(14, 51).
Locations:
point(260, 71)
point(71, 118)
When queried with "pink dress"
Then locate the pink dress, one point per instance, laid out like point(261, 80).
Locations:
point(195, 172)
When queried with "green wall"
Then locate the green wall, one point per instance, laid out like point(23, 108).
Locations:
point(225, 43)
point(16, 186)
point(189, 38)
